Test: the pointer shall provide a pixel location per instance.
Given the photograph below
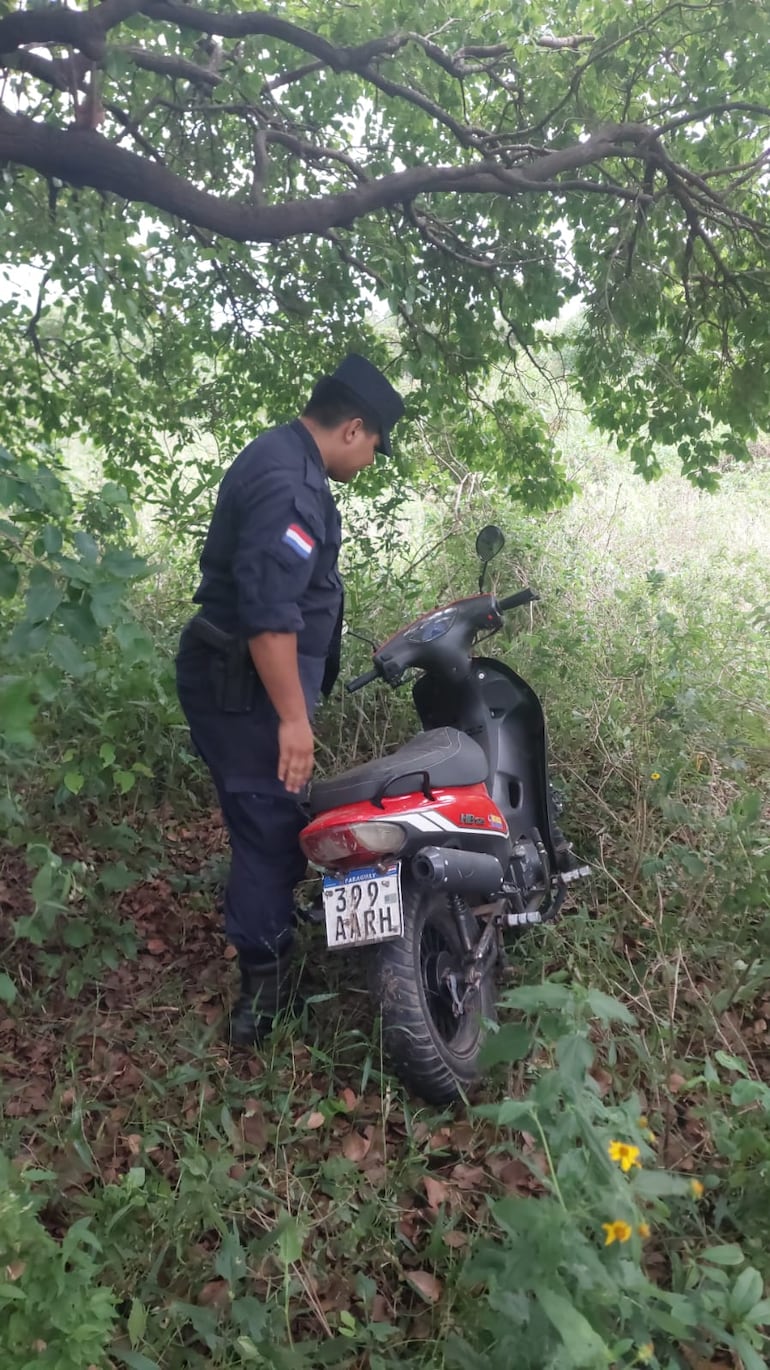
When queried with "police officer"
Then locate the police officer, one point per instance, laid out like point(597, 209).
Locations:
point(264, 644)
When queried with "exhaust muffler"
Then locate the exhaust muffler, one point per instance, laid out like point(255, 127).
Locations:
point(457, 872)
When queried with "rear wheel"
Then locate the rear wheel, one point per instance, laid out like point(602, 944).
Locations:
point(433, 1022)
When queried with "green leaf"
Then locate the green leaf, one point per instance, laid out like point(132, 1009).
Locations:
point(78, 622)
point(532, 998)
point(289, 1241)
point(125, 780)
point(509, 1113)
point(136, 644)
point(120, 562)
point(749, 1356)
point(43, 596)
point(9, 577)
point(87, 548)
point(74, 781)
point(77, 933)
point(731, 1062)
point(746, 1092)
point(136, 1322)
point(67, 655)
point(107, 753)
point(583, 1347)
point(7, 989)
point(105, 601)
point(248, 1350)
point(134, 1360)
point(746, 1292)
point(659, 1184)
point(575, 1056)
point(760, 1313)
point(723, 1255)
point(609, 1010)
point(117, 877)
point(52, 539)
point(511, 1043)
point(17, 710)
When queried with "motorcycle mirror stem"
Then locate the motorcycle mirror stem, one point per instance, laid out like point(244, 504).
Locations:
point(370, 642)
point(490, 540)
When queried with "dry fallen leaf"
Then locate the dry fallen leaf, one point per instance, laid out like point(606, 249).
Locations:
point(156, 946)
point(436, 1191)
point(15, 1270)
point(379, 1309)
point(675, 1082)
point(454, 1239)
point(440, 1139)
point(425, 1284)
point(516, 1176)
point(254, 1130)
point(314, 1120)
point(469, 1176)
point(355, 1146)
point(215, 1294)
point(134, 1143)
point(230, 952)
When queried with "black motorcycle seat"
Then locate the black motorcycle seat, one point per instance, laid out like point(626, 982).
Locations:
point(449, 757)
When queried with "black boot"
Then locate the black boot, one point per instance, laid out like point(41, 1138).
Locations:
point(264, 994)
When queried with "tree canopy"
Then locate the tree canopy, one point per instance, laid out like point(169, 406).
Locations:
point(217, 200)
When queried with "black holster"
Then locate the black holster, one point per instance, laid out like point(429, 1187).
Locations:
point(233, 676)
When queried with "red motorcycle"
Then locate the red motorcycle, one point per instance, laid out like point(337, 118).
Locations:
point(432, 853)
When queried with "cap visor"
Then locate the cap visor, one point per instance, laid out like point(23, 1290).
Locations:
point(384, 445)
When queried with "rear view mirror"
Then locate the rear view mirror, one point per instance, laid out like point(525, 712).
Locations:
point(489, 542)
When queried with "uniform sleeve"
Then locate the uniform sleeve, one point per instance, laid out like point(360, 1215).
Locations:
point(279, 528)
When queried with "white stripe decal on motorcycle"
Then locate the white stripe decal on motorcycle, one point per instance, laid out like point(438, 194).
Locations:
point(436, 822)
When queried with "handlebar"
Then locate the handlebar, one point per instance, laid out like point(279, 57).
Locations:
point(359, 681)
point(515, 601)
point(451, 646)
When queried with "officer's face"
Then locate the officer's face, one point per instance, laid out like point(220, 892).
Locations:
point(352, 449)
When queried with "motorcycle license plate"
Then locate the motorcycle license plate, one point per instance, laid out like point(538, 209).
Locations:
point(363, 906)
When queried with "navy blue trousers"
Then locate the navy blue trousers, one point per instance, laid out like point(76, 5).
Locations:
point(263, 821)
point(266, 863)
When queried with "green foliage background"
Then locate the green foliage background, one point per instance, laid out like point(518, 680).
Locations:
point(162, 1210)
point(649, 646)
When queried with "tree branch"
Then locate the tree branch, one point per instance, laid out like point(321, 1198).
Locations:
point(169, 65)
point(81, 29)
point(571, 44)
point(85, 157)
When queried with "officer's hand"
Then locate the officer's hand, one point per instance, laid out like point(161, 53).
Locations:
point(295, 754)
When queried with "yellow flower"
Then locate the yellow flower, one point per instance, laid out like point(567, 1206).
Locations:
point(645, 1353)
point(644, 1121)
point(617, 1232)
point(643, 1229)
point(697, 1189)
point(655, 775)
point(625, 1154)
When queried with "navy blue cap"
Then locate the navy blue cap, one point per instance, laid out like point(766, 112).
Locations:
point(376, 391)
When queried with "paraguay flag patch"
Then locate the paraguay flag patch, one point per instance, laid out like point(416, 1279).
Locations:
point(301, 541)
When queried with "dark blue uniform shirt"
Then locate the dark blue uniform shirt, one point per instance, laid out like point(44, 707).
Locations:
point(269, 563)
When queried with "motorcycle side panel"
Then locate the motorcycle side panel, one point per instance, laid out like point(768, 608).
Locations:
point(464, 817)
point(503, 714)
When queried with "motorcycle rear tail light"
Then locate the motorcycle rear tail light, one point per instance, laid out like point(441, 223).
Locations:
point(374, 838)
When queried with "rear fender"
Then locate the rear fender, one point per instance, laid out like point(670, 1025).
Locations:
point(464, 817)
